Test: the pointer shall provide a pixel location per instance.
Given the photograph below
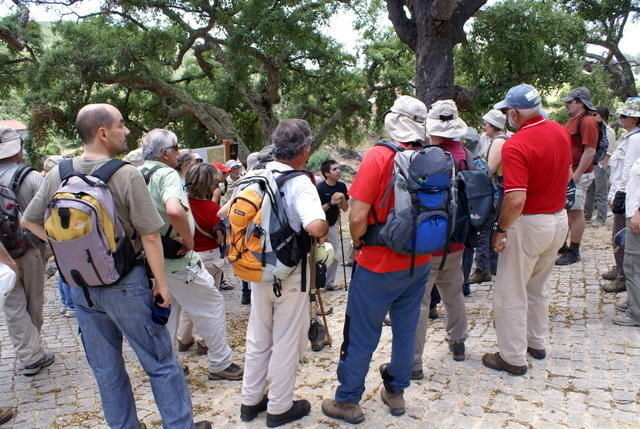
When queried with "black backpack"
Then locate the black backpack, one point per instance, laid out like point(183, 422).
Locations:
point(15, 239)
point(603, 141)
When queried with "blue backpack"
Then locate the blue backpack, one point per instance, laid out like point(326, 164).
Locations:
point(420, 221)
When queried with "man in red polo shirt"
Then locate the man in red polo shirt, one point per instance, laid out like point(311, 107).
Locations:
point(530, 230)
point(583, 129)
point(382, 281)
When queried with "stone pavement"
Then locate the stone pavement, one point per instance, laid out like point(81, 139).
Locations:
point(591, 378)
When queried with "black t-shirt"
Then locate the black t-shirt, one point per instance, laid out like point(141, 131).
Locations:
point(326, 191)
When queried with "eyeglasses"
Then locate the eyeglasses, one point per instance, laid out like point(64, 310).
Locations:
point(174, 147)
point(623, 116)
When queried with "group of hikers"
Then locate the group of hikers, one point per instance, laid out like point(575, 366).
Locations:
point(140, 249)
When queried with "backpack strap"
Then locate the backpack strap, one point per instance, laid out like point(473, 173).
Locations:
point(65, 168)
point(148, 173)
point(285, 176)
point(105, 172)
point(394, 146)
point(18, 177)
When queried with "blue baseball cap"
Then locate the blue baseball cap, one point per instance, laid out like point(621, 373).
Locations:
point(522, 96)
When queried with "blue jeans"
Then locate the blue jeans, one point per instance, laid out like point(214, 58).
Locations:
point(125, 310)
point(371, 296)
point(65, 294)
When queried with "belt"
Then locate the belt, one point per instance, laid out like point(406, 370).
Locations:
point(537, 214)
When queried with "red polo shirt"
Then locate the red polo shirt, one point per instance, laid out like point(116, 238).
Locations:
point(369, 186)
point(587, 136)
point(205, 213)
point(536, 160)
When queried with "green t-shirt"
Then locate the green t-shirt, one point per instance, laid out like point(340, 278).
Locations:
point(165, 184)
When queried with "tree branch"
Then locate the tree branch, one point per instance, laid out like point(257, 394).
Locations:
point(404, 26)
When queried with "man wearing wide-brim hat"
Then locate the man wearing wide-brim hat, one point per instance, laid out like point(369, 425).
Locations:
point(583, 128)
point(23, 307)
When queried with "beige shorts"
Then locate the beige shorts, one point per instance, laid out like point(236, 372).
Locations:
point(581, 190)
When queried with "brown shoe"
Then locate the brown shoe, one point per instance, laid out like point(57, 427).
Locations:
point(201, 348)
point(6, 414)
point(479, 277)
point(395, 401)
point(232, 372)
point(611, 275)
point(618, 285)
point(350, 412)
point(494, 361)
point(184, 347)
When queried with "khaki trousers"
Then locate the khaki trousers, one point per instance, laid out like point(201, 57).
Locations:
point(449, 282)
point(519, 298)
point(23, 308)
point(276, 336)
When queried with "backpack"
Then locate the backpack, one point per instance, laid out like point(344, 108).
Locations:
point(88, 241)
point(261, 245)
point(603, 141)
point(477, 196)
point(420, 221)
point(15, 239)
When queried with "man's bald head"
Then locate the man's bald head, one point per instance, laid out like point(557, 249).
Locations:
point(93, 116)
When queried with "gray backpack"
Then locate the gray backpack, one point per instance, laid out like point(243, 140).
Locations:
point(15, 239)
point(88, 241)
point(424, 205)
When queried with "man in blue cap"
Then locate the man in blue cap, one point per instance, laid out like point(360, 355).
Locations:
point(530, 230)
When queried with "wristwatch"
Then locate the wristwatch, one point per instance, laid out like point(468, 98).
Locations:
point(496, 228)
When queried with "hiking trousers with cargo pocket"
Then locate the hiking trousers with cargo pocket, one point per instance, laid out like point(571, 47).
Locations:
point(371, 296)
point(194, 290)
point(519, 297)
point(277, 335)
point(23, 308)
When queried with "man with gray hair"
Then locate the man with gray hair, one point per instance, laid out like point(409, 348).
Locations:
point(532, 225)
point(23, 308)
point(279, 323)
point(190, 284)
point(385, 281)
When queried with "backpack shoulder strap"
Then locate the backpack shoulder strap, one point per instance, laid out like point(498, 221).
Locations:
point(105, 172)
point(396, 147)
point(18, 177)
point(65, 167)
point(148, 173)
point(287, 175)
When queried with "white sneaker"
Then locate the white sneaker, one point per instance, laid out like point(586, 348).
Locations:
point(70, 313)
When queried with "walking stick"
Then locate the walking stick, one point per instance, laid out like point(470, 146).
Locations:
point(344, 269)
point(318, 344)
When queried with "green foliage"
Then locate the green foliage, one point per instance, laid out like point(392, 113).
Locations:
point(530, 41)
point(316, 159)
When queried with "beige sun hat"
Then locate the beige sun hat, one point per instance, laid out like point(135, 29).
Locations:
point(495, 118)
point(10, 142)
point(405, 121)
point(443, 120)
point(135, 157)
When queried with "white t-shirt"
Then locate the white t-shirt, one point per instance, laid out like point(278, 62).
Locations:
point(301, 199)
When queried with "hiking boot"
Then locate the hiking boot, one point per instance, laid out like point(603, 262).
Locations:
point(618, 285)
point(224, 285)
point(245, 300)
point(298, 410)
point(182, 347)
point(417, 374)
point(395, 401)
point(623, 306)
point(6, 414)
point(232, 372)
point(479, 277)
point(625, 319)
point(458, 351)
point(433, 313)
point(204, 424)
point(34, 368)
point(537, 353)
point(611, 275)
point(201, 348)
point(570, 257)
point(250, 412)
point(564, 249)
point(331, 288)
point(350, 412)
point(466, 289)
point(494, 361)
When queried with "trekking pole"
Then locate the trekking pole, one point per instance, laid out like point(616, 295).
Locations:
point(344, 269)
point(327, 336)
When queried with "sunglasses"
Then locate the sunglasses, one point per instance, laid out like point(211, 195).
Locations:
point(624, 116)
point(174, 147)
